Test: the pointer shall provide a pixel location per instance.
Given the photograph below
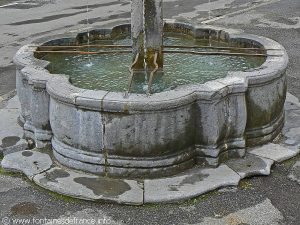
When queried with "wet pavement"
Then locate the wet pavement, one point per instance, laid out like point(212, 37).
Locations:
point(260, 200)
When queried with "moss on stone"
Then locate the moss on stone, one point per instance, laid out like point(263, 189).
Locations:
point(10, 173)
point(244, 184)
point(290, 162)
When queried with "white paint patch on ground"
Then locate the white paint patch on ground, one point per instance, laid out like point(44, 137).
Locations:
point(242, 19)
point(242, 14)
point(86, 216)
point(223, 4)
point(262, 214)
point(269, 23)
point(10, 4)
point(209, 6)
point(69, 18)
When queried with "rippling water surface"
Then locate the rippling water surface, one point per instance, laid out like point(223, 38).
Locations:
point(110, 71)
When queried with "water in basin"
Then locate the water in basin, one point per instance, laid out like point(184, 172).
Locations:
point(110, 71)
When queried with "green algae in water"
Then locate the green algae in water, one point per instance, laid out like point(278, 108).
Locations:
point(110, 71)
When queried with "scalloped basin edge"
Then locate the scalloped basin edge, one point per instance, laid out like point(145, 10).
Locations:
point(104, 133)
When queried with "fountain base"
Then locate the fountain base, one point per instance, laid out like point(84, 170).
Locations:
point(158, 135)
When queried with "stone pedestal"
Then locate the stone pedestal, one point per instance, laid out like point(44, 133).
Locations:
point(147, 32)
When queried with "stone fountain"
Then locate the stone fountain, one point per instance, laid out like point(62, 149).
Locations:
point(137, 148)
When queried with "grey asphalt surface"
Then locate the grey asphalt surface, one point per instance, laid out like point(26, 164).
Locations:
point(262, 200)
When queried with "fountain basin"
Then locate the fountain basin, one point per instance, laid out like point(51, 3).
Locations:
point(159, 135)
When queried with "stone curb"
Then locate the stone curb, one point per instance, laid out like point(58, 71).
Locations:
point(250, 165)
point(22, 144)
point(28, 162)
point(274, 152)
point(40, 168)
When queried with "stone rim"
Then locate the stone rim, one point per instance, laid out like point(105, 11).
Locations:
point(272, 68)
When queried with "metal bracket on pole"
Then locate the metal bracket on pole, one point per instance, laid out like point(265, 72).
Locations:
point(152, 74)
point(131, 75)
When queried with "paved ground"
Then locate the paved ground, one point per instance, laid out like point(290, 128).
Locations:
point(261, 200)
